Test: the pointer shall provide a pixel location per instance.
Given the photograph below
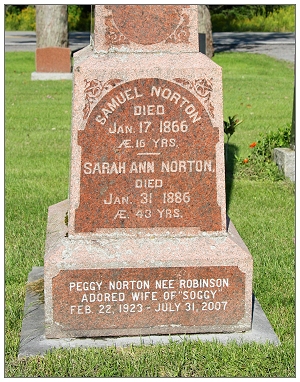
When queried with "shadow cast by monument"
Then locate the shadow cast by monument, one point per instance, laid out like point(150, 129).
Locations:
point(230, 164)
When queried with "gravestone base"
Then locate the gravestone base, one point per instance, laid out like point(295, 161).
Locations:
point(40, 76)
point(135, 284)
point(33, 341)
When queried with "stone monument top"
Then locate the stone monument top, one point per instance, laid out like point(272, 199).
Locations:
point(146, 28)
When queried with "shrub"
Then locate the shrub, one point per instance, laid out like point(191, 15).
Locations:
point(281, 20)
point(260, 164)
point(22, 20)
point(79, 18)
point(254, 19)
point(74, 13)
point(27, 19)
point(267, 143)
point(241, 18)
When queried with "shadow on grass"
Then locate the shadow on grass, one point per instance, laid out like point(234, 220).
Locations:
point(231, 152)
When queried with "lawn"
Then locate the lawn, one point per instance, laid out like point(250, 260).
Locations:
point(259, 90)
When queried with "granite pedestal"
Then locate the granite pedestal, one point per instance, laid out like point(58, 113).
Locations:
point(143, 245)
point(33, 341)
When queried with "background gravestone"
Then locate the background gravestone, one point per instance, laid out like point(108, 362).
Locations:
point(52, 52)
point(205, 30)
point(147, 248)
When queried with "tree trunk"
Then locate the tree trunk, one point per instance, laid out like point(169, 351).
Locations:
point(52, 26)
point(204, 26)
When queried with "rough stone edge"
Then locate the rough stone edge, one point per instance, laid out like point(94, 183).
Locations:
point(58, 253)
point(33, 341)
point(285, 159)
point(35, 76)
point(166, 66)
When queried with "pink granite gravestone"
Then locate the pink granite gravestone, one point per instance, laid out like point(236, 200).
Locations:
point(147, 248)
point(52, 56)
point(53, 60)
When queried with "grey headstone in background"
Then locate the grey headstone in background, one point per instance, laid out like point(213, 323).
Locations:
point(284, 157)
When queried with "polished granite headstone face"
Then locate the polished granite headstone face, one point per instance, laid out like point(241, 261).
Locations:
point(148, 159)
point(147, 248)
point(137, 297)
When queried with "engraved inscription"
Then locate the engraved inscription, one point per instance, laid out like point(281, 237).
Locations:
point(190, 296)
point(148, 159)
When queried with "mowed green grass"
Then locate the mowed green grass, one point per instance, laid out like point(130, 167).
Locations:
point(259, 90)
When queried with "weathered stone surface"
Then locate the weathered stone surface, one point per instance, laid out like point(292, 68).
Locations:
point(145, 285)
point(147, 298)
point(284, 157)
point(147, 248)
point(53, 60)
point(151, 28)
point(33, 341)
point(147, 143)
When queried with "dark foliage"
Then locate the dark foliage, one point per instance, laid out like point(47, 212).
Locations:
point(249, 11)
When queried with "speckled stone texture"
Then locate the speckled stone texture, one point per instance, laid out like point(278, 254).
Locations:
point(147, 143)
point(148, 248)
point(53, 60)
point(146, 28)
point(120, 286)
